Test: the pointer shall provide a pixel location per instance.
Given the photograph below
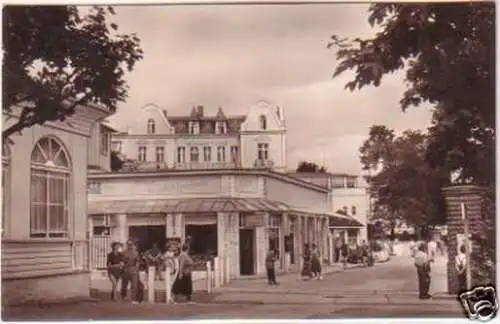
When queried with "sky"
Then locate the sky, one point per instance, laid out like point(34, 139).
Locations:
point(234, 56)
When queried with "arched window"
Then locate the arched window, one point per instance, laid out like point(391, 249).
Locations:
point(151, 126)
point(5, 184)
point(262, 122)
point(50, 179)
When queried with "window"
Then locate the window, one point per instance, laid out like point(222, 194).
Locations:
point(207, 154)
point(221, 154)
point(234, 154)
point(151, 126)
point(181, 154)
point(338, 182)
point(141, 154)
point(220, 127)
point(353, 210)
point(160, 154)
point(105, 141)
point(274, 224)
point(344, 209)
point(194, 127)
point(262, 122)
point(351, 182)
point(194, 154)
point(5, 184)
point(263, 151)
point(50, 174)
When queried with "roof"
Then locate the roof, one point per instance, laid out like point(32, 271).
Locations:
point(207, 205)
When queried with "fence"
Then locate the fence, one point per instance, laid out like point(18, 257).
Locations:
point(100, 246)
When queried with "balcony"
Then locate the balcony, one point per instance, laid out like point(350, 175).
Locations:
point(205, 165)
point(263, 164)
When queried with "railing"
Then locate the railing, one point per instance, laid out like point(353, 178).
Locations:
point(205, 165)
point(265, 164)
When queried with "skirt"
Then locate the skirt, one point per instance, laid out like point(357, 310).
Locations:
point(183, 286)
point(306, 271)
point(315, 266)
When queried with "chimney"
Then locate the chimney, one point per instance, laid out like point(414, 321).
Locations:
point(200, 110)
point(164, 112)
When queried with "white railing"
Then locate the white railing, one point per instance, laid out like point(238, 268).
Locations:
point(263, 164)
point(205, 165)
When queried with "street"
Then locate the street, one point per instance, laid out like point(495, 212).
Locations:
point(385, 290)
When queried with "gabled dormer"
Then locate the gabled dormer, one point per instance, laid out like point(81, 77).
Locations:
point(151, 121)
point(264, 117)
point(220, 122)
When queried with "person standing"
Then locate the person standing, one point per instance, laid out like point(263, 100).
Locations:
point(432, 249)
point(422, 263)
point(131, 260)
point(270, 267)
point(171, 264)
point(344, 251)
point(315, 262)
point(183, 284)
point(306, 267)
point(154, 259)
point(338, 249)
point(114, 263)
point(461, 267)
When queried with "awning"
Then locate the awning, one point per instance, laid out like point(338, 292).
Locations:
point(190, 205)
point(339, 220)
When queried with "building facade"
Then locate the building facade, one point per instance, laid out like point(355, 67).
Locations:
point(158, 141)
point(349, 196)
point(234, 214)
point(44, 208)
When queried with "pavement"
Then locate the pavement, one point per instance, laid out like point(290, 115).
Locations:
point(385, 290)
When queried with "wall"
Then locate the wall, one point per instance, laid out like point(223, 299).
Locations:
point(274, 135)
point(357, 197)
point(131, 143)
point(296, 196)
point(95, 157)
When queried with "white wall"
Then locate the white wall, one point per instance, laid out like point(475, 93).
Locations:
point(296, 195)
point(357, 197)
point(274, 135)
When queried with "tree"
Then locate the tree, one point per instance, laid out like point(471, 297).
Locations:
point(448, 51)
point(55, 58)
point(310, 167)
point(405, 187)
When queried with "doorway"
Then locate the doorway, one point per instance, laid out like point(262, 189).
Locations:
point(145, 236)
point(246, 252)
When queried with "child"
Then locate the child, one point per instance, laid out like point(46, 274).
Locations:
point(271, 273)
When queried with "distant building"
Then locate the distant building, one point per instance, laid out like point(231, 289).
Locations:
point(196, 141)
point(349, 196)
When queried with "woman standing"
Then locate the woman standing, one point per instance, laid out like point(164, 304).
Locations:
point(114, 263)
point(171, 267)
point(315, 262)
point(461, 267)
point(183, 284)
point(306, 270)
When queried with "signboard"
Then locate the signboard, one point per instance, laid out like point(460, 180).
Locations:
point(461, 241)
point(254, 220)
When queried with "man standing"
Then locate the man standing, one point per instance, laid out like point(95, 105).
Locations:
point(461, 267)
point(131, 261)
point(422, 263)
point(270, 262)
point(154, 259)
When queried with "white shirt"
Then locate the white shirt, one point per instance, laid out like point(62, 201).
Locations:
point(421, 258)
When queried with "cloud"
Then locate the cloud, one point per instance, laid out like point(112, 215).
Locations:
point(232, 56)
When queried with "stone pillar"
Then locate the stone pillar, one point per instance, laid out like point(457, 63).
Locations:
point(472, 196)
point(284, 230)
point(122, 228)
point(220, 234)
point(170, 225)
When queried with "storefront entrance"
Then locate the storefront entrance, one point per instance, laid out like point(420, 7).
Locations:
point(246, 251)
point(145, 236)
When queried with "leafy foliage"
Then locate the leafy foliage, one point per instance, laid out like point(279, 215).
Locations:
point(56, 58)
point(311, 167)
point(448, 51)
point(405, 186)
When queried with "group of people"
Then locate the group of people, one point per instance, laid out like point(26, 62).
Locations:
point(312, 262)
point(353, 253)
point(125, 264)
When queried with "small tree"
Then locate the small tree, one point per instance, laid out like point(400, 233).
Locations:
point(116, 163)
point(310, 167)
